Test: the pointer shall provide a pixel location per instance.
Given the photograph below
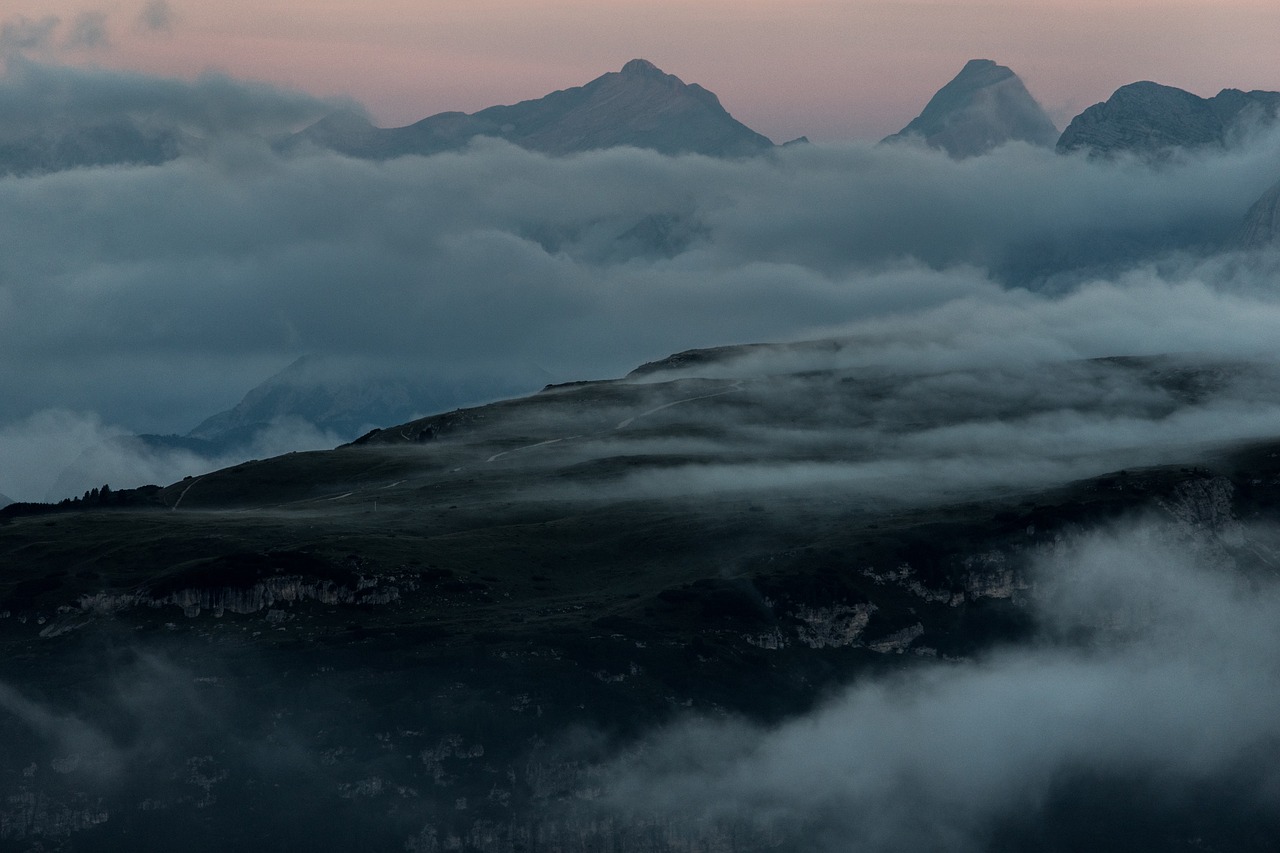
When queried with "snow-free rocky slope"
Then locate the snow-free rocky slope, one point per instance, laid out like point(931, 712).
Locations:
point(1149, 119)
point(1262, 223)
point(433, 638)
point(639, 106)
point(983, 107)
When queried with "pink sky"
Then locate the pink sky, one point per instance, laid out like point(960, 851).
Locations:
point(829, 69)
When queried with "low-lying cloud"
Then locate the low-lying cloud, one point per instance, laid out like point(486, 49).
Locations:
point(154, 296)
point(55, 454)
point(1177, 689)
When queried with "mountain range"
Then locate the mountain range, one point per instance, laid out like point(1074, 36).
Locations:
point(984, 106)
point(639, 106)
point(749, 599)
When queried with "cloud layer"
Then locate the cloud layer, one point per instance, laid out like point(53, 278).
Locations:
point(152, 297)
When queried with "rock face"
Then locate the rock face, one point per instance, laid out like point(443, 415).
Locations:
point(639, 106)
point(1150, 120)
point(1262, 222)
point(253, 599)
point(985, 106)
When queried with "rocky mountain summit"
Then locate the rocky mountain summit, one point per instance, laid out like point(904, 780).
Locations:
point(1149, 119)
point(639, 106)
point(983, 107)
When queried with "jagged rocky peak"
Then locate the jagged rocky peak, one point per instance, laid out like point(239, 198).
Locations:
point(642, 67)
point(1152, 120)
point(983, 107)
point(639, 106)
point(1262, 222)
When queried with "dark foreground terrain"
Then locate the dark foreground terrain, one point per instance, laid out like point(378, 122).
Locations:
point(544, 624)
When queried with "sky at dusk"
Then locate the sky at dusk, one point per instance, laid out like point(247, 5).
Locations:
point(828, 69)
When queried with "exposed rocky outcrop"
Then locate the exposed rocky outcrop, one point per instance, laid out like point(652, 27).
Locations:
point(29, 814)
point(255, 599)
point(260, 597)
point(992, 575)
point(899, 641)
point(1152, 120)
point(983, 107)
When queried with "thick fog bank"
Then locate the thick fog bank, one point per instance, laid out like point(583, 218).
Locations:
point(150, 297)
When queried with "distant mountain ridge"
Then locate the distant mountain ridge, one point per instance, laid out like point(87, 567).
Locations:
point(344, 400)
point(1148, 118)
point(639, 106)
point(983, 107)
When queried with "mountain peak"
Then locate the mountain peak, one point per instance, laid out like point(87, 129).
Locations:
point(641, 67)
point(983, 66)
point(983, 106)
point(640, 106)
point(1153, 120)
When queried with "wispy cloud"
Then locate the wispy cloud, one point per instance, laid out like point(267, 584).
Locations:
point(1175, 699)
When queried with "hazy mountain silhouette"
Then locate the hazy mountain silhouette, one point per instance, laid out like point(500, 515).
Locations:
point(119, 141)
point(984, 106)
point(1262, 222)
point(1147, 118)
point(342, 400)
point(639, 106)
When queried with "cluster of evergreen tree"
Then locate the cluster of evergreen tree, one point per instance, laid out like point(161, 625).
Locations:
point(104, 496)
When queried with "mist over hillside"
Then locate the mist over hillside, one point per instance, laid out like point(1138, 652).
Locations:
point(568, 488)
point(147, 298)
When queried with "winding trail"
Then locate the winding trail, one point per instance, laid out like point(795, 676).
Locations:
point(184, 492)
point(497, 456)
point(737, 386)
